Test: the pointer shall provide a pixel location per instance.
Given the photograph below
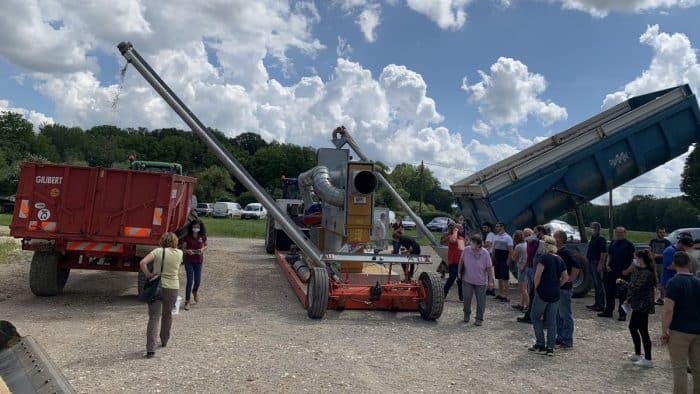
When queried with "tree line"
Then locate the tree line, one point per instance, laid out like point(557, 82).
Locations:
point(267, 162)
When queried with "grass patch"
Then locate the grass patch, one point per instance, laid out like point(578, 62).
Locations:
point(235, 228)
point(637, 237)
point(5, 219)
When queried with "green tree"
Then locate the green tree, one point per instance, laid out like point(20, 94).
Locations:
point(690, 178)
point(214, 184)
point(249, 142)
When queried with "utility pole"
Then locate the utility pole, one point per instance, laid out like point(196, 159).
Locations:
point(610, 216)
point(420, 203)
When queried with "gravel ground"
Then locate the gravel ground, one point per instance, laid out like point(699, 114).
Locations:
point(250, 334)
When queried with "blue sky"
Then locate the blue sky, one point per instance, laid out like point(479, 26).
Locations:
point(274, 67)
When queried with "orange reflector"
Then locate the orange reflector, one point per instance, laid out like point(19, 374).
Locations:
point(157, 216)
point(140, 232)
point(49, 227)
point(24, 209)
point(94, 247)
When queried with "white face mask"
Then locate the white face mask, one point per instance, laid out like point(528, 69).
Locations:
point(195, 229)
point(636, 263)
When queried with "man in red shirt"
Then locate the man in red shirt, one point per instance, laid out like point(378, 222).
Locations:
point(455, 246)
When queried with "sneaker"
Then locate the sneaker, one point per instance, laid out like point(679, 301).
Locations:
point(563, 346)
point(466, 318)
point(622, 318)
point(549, 352)
point(150, 354)
point(659, 301)
point(478, 323)
point(504, 299)
point(537, 349)
point(603, 314)
point(635, 357)
point(524, 320)
point(491, 292)
point(195, 297)
point(644, 363)
point(498, 297)
point(518, 307)
point(187, 306)
point(595, 308)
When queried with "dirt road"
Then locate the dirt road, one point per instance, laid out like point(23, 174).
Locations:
point(250, 333)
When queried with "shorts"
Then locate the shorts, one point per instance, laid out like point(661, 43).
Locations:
point(501, 270)
point(659, 272)
point(522, 276)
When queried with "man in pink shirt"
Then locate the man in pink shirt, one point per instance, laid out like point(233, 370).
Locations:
point(476, 273)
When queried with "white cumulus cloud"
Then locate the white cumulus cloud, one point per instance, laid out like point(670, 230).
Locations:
point(37, 118)
point(447, 14)
point(508, 95)
point(601, 8)
point(368, 20)
point(674, 62)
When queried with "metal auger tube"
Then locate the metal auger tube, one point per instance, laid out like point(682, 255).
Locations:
point(230, 162)
point(346, 138)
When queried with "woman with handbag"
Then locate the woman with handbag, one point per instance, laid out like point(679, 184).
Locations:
point(640, 299)
point(166, 263)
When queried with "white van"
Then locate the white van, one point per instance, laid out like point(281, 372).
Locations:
point(226, 209)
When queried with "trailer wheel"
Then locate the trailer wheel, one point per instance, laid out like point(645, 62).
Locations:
point(317, 293)
point(282, 241)
point(431, 307)
point(46, 278)
point(583, 283)
point(270, 236)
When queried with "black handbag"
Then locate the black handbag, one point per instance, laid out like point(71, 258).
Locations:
point(151, 291)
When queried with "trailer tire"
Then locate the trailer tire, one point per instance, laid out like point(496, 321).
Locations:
point(282, 241)
point(270, 236)
point(46, 277)
point(431, 307)
point(583, 283)
point(317, 293)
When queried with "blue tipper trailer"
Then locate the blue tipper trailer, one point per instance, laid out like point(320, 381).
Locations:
point(554, 176)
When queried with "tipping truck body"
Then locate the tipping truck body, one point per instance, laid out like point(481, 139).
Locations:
point(93, 218)
point(559, 174)
point(554, 176)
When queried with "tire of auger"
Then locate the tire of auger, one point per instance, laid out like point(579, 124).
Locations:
point(317, 293)
point(431, 307)
point(46, 278)
point(282, 241)
point(270, 236)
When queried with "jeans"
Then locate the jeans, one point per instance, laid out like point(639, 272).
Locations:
point(610, 292)
point(639, 326)
point(451, 280)
point(538, 309)
point(160, 314)
point(530, 273)
point(469, 291)
point(194, 278)
point(597, 284)
point(684, 349)
point(395, 247)
point(565, 318)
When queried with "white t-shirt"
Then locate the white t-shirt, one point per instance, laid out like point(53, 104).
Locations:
point(379, 230)
point(488, 242)
point(502, 241)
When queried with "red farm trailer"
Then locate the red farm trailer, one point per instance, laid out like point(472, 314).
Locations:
point(93, 218)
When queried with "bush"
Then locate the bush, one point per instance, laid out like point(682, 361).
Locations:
point(427, 217)
point(246, 198)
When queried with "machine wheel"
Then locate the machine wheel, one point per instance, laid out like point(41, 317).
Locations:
point(317, 293)
point(282, 241)
point(583, 283)
point(431, 307)
point(46, 278)
point(270, 236)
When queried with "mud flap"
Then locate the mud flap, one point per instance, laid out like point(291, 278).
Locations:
point(25, 367)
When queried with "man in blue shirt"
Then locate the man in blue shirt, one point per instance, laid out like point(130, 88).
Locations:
point(684, 243)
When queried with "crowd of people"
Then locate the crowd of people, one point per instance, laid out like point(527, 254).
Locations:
point(624, 279)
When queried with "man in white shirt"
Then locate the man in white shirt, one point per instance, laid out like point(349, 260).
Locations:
point(501, 250)
point(379, 232)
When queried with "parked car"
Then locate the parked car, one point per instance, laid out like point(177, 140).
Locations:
point(408, 223)
point(254, 211)
point(438, 224)
point(225, 209)
point(204, 209)
point(675, 234)
point(571, 233)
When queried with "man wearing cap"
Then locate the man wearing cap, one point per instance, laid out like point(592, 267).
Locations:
point(685, 243)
